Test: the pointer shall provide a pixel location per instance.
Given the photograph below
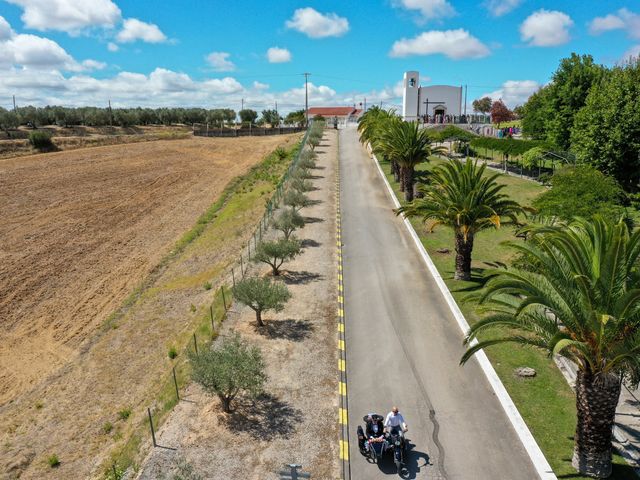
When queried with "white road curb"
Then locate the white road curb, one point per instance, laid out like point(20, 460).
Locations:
point(537, 457)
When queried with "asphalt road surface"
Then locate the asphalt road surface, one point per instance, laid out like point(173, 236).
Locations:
point(403, 347)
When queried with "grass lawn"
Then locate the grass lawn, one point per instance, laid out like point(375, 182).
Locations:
point(546, 402)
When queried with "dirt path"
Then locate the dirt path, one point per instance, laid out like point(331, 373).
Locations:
point(296, 420)
point(89, 252)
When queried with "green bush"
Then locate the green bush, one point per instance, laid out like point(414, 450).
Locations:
point(41, 140)
point(287, 222)
point(207, 286)
point(173, 353)
point(581, 191)
point(107, 427)
point(125, 413)
point(53, 461)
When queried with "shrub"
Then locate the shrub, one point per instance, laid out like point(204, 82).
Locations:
point(53, 461)
point(232, 368)
point(107, 427)
point(125, 413)
point(281, 153)
point(40, 140)
point(261, 295)
point(581, 191)
point(173, 353)
point(287, 222)
point(276, 253)
point(193, 308)
point(207, 286)
point(39, 405)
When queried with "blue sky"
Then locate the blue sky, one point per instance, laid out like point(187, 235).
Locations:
point(215, 53)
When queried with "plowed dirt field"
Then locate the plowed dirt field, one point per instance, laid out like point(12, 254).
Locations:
point(80, 229)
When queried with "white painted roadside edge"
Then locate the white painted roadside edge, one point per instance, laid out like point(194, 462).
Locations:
point(544, 470)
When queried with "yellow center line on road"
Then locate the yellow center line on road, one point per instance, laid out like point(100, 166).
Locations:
point(341, 327)
point(342, 365)
point(341, 344)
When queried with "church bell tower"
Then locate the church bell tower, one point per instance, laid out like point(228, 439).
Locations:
point(410, 93)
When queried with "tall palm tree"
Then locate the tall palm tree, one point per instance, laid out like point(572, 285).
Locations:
point(582, 303)
point(370, 127)
point(460, 196)
point(408, 145)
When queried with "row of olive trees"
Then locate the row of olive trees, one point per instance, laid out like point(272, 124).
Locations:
point(235, 367)
point(93, 116)
point(577, 295)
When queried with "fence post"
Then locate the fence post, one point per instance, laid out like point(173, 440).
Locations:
point(224, 299)
point(175, 382)
point(195, 343)
point(241, 266)
point(213, 324)
point(153, 433)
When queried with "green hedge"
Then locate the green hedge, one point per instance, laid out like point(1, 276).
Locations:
point(509, 146)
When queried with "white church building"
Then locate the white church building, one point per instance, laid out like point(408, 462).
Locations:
point(432, 104)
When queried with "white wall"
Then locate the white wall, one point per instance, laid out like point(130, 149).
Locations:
point(452, 96)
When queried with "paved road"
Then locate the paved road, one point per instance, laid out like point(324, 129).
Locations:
point(403, 346)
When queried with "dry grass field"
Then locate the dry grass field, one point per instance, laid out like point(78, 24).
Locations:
point(79, 230)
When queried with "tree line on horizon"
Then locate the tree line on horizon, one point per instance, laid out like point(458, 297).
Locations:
point(35, 117)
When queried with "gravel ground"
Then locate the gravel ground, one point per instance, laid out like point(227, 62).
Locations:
point(295, 421)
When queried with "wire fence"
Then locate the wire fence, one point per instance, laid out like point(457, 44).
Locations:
point(211, 130)
point(207, 330)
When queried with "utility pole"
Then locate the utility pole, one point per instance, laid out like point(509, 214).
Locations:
point(14, 104)
point(306, 96)
point(365, 104)
point(110, 114)
point(277, 116)
point(242, 104)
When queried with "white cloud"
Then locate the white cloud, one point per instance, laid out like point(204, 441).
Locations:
point(317, 25)
point(37, 52)
point(260, 86)
point(545, 28)
point(429, 9)
point(623, 19)
point(93, 65)
point(112, 47)
point(5, 29)
point(134, 29)
point(632, 52)
point(278, 55)
point(514, 92)
point(220, 61)
point(497, 8)
point(68, 15)
point(455, 44)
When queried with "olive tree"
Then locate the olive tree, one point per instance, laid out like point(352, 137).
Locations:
point(301, 185)
point(230, 369)
point(261, 295)
point(287, 222)
point(296, 200)
point(277, 252)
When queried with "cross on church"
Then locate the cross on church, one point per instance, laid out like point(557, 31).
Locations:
point(427, 103)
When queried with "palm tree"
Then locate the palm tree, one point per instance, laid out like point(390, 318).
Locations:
point(583, 303)
point(370, 127)
point(461, 197)
point(408, 145)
